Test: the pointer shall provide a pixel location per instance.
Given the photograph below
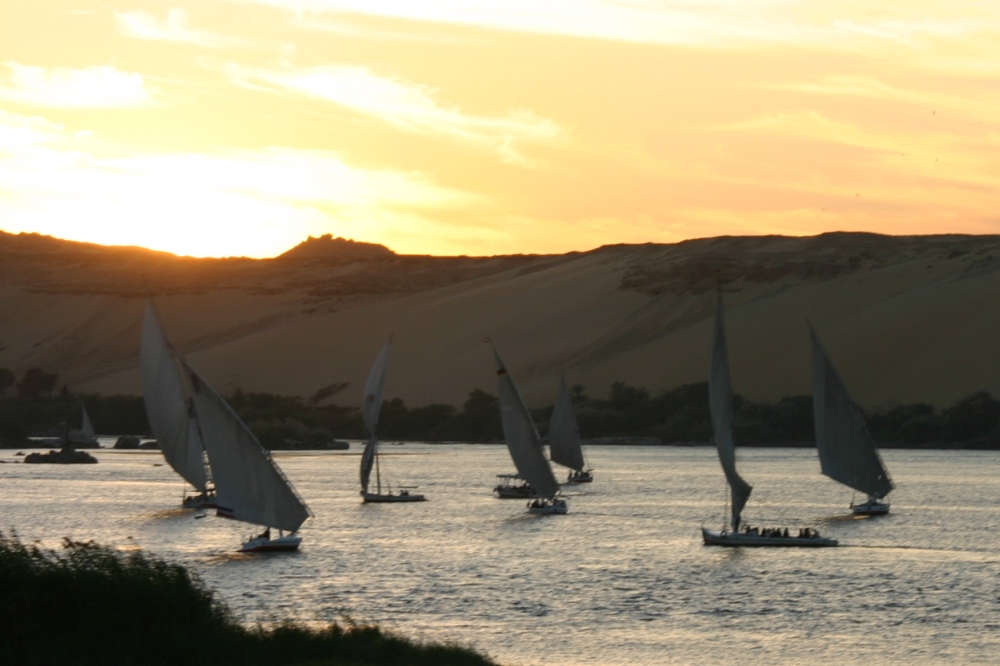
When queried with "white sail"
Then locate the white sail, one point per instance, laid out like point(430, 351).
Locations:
point(721, 406)
point(86, 427)
point(564, 433)
point(523, 442)
point(370, 410)
point(165, 393)
point(248, 485)
point(847, 451)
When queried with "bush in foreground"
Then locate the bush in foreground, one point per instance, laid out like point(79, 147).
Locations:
point(91, 604)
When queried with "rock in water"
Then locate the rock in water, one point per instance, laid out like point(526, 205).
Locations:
point(67, 456)
point(127, 442)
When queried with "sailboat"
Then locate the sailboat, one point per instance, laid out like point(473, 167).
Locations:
point(720, 397)
point(167, 394)
point(370, 457)
point(86, 436)
point(847, 451)
point(249, 486)
point(564, 437)
point(525, 445)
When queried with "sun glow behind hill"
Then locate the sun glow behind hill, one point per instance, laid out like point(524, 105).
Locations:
point(239, 127)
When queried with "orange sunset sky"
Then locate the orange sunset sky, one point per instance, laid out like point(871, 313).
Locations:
point(239, 127)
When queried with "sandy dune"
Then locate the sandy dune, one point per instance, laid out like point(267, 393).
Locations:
point(904, 318)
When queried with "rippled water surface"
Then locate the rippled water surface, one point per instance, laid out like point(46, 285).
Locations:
point(622, 579)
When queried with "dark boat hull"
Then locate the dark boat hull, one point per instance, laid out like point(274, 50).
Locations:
point(375, 498)
point(732, 539)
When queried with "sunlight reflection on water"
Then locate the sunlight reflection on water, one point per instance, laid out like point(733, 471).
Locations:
point(623, 579)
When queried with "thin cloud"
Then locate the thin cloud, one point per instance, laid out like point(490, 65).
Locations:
point(100, 86)
point(173, 28)
point(708, 23)
point(410, 108)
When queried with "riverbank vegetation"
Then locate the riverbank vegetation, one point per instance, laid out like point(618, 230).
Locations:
point(678, 415)
point(90, 604)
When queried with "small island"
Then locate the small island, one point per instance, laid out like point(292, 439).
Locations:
point(65, 456)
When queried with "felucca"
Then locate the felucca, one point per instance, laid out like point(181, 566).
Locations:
point(370, 457)
point(167, 395)
point(86, 436)
point(720, 397)
point(249, 486)
point(525, 445)
point(564, 437)
point(847, 451)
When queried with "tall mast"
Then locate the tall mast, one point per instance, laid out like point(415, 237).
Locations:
point(720, 402)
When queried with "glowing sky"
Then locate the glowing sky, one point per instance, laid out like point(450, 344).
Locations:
point(239, 127)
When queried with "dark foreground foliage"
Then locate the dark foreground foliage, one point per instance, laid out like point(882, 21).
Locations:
point(90, 604)
point(675, 415)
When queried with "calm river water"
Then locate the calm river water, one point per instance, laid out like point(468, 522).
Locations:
point(622, 579)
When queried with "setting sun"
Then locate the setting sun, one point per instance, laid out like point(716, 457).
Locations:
point(445, 127)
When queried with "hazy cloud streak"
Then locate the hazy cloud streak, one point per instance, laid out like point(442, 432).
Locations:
point(704, 22)
point(140, 25)
point(99, 86)
point(411, 108)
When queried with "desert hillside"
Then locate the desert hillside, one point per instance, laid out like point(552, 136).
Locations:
point(905, 318)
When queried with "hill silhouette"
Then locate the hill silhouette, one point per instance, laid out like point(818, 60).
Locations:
point(905, 318)
point(328, 247)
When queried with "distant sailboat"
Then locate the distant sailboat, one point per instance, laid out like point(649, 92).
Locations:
point(564, 437)
point(847, 451)
point(249, 485)
point(720, 397)
point(86, 436)
point(525, 445)
point(167, 394)
point(370, 457)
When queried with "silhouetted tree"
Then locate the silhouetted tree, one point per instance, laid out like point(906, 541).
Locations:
point(479, 420)
point(971, 417)
point(7, 380)
point(36, 383)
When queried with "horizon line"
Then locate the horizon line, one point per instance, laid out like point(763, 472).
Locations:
point(482, 256)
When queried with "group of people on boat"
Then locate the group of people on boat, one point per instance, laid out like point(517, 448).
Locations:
point(804, 533)
point(543, 503)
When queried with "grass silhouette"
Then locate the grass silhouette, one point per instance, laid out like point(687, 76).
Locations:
point(90, 604)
